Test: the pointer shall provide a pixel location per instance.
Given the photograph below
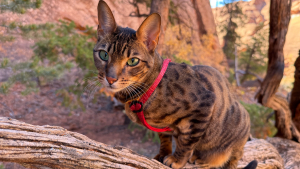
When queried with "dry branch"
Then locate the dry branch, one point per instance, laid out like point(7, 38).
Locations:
point(280, 15)
point(55, 147)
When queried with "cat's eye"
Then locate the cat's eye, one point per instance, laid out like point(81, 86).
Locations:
point(103, 55)
point(133, 61)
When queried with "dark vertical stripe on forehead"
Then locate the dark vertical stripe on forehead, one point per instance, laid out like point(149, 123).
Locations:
point(123, 49)
point(108, 48)
point(128, 52)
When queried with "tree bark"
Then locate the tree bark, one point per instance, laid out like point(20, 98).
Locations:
point(161, 7)
point(283, 120)
point(279, 21)
point(295, 95)
point(55, 147)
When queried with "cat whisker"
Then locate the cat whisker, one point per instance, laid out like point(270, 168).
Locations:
point(130, 93)
point(91, 78)
point(89, 85)
point(134, 90)
point(93, 71)
point(140, 89)
point(93, 91)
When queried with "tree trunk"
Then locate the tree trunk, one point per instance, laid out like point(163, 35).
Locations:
point(55, 147)
point(295, 95)
point(161, 7)
point(279, 21)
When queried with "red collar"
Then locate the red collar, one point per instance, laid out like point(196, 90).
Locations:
point(137, 106)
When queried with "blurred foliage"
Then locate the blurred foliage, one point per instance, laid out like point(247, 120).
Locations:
point(262, 123)
point(287, 82)
point(4, 63)
point(19, 6)
point(58, 48)
point(254, 58)
point(173, 12)
point(177, 49)
point(229, 26)
point(180, 60)
point(6, 38)
point(2, 166)
point(148, 134)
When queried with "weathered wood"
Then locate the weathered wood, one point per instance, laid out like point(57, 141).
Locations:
point(55, 147)
point(161, 7)
point(289, 151)
point(283, 120)
point(295, 95)
point(262, 151)
point(279, 20)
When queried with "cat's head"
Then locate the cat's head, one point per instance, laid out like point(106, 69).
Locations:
point(123, 56)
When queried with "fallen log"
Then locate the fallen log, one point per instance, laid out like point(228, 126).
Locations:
point(54, 147)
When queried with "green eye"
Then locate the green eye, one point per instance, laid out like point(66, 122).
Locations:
point(133, 61)
point(103, 55)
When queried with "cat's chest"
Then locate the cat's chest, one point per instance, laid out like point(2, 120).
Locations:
point(154, 111)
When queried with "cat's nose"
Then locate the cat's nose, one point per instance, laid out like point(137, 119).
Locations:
point(111, 80)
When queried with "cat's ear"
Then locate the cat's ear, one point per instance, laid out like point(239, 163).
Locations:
point(107, 23)
point(148, 32)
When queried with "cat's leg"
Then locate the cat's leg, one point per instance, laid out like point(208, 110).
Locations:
point(236, 155)
point(165, 146)
point(187, 134)
point(185, 145)
point(196, 158)
point(213, 159)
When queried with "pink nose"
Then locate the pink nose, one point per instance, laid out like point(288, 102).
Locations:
point(110, 80)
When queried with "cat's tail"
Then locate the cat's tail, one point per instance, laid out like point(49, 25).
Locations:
point(251, 165)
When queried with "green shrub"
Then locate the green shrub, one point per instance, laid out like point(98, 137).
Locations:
point(260, 126)
point(58, 48)
point(19, 6)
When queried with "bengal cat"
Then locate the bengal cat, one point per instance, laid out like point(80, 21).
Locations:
point(207, 121)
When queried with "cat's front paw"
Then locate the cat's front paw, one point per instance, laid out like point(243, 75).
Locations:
point(160, 157)
point(173, 162)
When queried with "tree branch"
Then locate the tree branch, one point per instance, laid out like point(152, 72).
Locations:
point(55, 147)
